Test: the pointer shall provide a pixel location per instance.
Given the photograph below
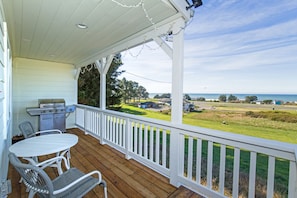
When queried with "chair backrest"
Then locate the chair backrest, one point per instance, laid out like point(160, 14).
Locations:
point(33, 177)
point(27, 129)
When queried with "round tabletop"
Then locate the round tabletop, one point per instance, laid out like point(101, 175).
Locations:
point(43, 145)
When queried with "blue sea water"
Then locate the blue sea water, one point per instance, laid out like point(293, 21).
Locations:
point(261, 97)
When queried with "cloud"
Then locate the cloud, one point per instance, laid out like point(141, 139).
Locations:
point(230, 46)
point(222, 17)
point(235, 44)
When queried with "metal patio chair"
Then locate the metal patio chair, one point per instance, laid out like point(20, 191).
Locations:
point(28, 131)
point(71, 183)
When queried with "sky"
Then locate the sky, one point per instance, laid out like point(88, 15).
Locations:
point(231, 46)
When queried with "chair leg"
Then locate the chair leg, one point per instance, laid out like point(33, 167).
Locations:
point(105, 192)
point(68, 157)
point(31, 194)
point(103, 183)
point(58, 164)
point(59, 167)
point(67, 154)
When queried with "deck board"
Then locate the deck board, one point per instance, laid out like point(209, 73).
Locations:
point(125, 178)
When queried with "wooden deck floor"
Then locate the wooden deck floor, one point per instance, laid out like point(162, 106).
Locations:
point(125, 178)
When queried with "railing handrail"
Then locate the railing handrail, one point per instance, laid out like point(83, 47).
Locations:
point(179, 151)
point(242, 141)
point(130, 116)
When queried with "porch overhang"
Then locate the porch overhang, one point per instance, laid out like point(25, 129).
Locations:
point(47, 30)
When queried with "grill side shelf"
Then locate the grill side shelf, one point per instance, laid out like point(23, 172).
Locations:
point(35, 111)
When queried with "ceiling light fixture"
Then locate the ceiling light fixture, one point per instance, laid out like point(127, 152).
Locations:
point(196, 4)
point(81, 26)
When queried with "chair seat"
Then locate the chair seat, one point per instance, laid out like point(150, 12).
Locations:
point(77, 190)
point(71, 184)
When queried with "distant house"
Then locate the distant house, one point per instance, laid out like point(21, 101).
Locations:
point(145, 105)
point(278, 102)
point(165, 101)
point(189, 107)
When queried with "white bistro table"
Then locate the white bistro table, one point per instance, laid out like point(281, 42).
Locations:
point(43, 145)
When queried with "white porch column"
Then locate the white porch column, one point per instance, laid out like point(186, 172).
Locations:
point(177, 72)
point(100, 66)
point(103, 66)
point(103, 90)
point(176, 100)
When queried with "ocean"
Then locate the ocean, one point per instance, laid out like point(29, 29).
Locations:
point(261, 97)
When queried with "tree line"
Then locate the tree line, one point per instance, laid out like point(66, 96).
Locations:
point(117, 90)
point(248, 99)
point(232, 98)
point(131, 90)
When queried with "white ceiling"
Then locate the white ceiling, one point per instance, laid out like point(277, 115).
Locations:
point(46, 29)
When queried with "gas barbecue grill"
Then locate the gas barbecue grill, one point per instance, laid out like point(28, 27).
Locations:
point(51, 112)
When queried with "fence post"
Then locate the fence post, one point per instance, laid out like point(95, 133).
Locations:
point(85, 121)
point(174, 163)
point(292, 188)
point(102, 128)
point(128, 136)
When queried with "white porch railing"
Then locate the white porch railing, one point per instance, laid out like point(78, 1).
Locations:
point(210, 162)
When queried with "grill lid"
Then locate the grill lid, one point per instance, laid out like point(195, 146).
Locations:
point(51, 102)
point(47, 106)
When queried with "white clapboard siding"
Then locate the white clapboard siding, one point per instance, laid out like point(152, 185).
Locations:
point(3, 129)
point(5, 98)
point(33, 80)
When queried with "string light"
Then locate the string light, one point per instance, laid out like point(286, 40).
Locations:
point(129, 6)
point(166, 36)
point(153, 49)
point(137, 54)
point(140, 3)
point(183, 28)
point(148, 17)
point(87, 68)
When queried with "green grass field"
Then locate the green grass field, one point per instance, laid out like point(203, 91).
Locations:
point(232, 118)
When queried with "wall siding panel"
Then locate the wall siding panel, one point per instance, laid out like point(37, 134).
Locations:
point(33, 80)
point(4, 101)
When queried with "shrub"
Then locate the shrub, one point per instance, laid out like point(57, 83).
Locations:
point(274, 115)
